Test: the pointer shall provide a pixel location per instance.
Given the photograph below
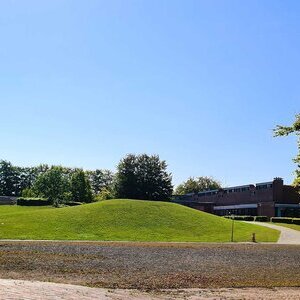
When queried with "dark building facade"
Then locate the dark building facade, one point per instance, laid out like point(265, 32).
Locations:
point(262, 199)
point(8, 200)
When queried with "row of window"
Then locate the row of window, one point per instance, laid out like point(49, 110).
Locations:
point(243, 189)
point(237, 212)
point(287, 212)
point(228, 191)
point(263, 187)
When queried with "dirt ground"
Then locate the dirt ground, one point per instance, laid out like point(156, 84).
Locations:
point(36, 290)
point(152, 266)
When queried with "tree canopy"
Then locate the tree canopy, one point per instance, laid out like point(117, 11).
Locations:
point(101, 180)
point(80, 187)
point(287, 130)
point(19, 181)
point(53, 184)
point(196, 185)
point(143, 177)
point(8, 174)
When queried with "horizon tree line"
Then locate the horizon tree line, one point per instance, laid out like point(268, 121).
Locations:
point(142, 176)
point(51, 182)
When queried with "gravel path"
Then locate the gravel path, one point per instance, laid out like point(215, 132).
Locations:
point(35, 290)
point(287, 236)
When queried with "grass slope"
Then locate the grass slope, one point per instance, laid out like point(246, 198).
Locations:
point(126, 220)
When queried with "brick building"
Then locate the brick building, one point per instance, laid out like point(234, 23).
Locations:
point(262, 199)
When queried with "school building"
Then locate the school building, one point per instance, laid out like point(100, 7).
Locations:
point(272, 199)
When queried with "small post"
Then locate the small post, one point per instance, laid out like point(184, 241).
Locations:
point(232, 227)
point(253, 238)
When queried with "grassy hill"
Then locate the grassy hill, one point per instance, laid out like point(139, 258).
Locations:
point(124, 220)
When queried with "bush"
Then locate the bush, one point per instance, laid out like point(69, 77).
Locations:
point(105, 194)
point(33, 201)
point(73, 203)
point(28, 193)
point(262, 219)
point(296, 221)
point(282, 220)
point(240, 218)
point(244, 218)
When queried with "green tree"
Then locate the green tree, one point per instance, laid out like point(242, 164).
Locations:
point(287, 130)
point(80, 187)
point(8, 179)
point(196, 185)
point(143, 177)
point(25, 178)
point(14, 179)
point(53, 184)
point(100, 179)
point(105, 194)
point(28, 193)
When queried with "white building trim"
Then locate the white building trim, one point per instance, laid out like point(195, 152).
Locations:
point(238, 206)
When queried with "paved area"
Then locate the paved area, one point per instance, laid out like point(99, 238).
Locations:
point(34, 290)
point(287, 236)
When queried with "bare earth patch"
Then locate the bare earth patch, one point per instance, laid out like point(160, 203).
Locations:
point(152, 266)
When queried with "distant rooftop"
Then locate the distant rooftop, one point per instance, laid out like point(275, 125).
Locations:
point(235, 188)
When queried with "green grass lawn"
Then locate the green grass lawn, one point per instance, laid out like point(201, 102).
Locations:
point(292, 226)
point(125, 220)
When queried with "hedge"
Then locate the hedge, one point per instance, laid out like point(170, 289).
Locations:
point(240, 218)
point(33, 201)
point(249, 218)
point(282, 220)
point(73, 203)
point(296, 221)
point(262, 219)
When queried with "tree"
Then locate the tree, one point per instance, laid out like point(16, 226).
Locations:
point(80, 187)
point(100, 179)
point(13, 179)
point(105, 194)
point(143, 177)
point(287, 130)
point(28, 193)
point(8, 176)
point(196, 185)
point(53, 184)
point(24, 180)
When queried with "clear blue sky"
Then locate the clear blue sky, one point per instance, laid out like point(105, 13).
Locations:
point(201, 83)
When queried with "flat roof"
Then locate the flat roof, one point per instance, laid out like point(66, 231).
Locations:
point(226, 188)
